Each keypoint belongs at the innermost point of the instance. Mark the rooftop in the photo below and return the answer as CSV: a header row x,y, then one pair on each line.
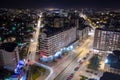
x,y
50,31
110,76
109,29
113,60
8,46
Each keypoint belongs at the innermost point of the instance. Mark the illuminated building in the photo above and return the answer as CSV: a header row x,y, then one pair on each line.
x,y
82,32
110,76
106,40
9,56
53,40
112,63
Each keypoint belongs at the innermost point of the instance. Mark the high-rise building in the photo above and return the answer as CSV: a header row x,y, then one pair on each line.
x,y
9,56
53,39
106,39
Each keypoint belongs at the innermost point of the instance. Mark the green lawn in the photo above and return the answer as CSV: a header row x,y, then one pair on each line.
x,y
35,72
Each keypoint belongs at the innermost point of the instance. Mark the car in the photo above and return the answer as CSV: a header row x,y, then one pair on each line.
x,y
84,58
70,76
95,73
89,71
87,54
80,61
90,51
76,68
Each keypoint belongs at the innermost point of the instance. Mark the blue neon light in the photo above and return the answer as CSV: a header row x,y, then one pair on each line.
x,y
106,61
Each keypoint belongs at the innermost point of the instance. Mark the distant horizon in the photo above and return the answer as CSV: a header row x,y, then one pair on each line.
x,y
60,4
58,8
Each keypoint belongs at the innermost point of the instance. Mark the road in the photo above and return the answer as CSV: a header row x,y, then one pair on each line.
x,y
33,48
82,69
33,44
80,52
88,20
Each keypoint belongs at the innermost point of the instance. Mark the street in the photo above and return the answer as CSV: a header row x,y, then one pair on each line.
x,y
83,50
34,43
33,47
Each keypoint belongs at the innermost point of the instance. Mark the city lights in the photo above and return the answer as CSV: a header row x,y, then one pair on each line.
x,y
59,44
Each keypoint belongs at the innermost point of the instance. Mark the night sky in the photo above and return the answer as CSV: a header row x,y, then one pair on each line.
x,y
60,3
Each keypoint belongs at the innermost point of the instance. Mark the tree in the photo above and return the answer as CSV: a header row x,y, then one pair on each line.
x,y
94,62
83,78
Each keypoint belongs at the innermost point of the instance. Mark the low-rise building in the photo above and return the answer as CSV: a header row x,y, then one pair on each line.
x,y
110,76
112,63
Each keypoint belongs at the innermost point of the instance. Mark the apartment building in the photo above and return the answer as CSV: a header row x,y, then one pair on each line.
x,y
53,39
113,63
106,39
9,56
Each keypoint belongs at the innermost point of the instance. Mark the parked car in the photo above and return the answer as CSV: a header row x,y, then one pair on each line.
x,y
70,76
84,58
81,61
87,54
89,71
95,73
76,68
